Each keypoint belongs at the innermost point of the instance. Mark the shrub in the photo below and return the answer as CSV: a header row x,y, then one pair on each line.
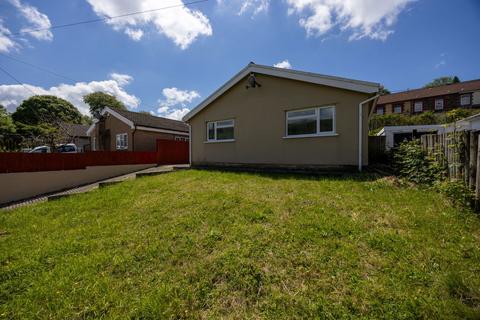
x,y
457,191
412,163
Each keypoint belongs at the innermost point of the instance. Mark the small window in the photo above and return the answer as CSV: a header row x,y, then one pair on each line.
x,y
418,106
397,108
122,143
380,111
465,99
220,130
309,122
439,104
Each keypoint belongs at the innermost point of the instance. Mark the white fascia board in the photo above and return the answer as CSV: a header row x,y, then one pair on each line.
x,y
337,82
92,127
181,133
118,116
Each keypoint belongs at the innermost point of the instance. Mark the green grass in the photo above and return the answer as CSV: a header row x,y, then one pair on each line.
x,y
199,244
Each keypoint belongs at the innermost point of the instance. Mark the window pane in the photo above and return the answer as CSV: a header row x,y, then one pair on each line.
x,y
292,114
225,123
465,100
380,111
418,106
326,119
211,131
397,109
225,133
302,126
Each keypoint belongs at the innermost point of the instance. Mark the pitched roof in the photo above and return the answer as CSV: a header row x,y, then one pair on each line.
x,y
147,120
466,86
343,83
76,130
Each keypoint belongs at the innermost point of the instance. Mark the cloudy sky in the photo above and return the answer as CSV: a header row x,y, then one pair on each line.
x,y
167,61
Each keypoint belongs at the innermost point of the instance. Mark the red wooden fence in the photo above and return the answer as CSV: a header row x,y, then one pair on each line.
x,y
172,152
168,152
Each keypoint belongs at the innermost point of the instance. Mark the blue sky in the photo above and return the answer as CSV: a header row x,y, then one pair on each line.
x,y
168,61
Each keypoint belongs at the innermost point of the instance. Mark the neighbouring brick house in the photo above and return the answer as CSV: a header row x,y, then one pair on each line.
x,y
77,134
438,99
133,131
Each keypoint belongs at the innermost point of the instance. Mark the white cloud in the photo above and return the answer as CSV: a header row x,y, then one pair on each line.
x,y
6,44
183,25
36,19
134,34
12,95
122,79
245,6
285,64
363,18
173,105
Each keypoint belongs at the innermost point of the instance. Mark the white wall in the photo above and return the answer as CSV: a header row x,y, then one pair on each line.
x,y
24,185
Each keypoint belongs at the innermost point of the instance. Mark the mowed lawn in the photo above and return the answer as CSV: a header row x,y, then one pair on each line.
x,y
202,244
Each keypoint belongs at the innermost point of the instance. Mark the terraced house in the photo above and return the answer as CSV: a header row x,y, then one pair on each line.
x,y
438,99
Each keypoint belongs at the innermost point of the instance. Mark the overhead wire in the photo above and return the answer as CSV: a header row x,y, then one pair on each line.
x,y
105,18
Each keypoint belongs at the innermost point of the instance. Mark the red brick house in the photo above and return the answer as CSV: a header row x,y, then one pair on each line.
x,y
133,131
438,99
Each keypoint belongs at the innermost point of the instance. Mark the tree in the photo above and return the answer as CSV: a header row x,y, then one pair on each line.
x,y
46,110
39,119
6,123
383,91
99,100
442,81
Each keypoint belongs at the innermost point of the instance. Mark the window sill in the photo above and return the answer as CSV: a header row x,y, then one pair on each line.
x,y
220,141
317,135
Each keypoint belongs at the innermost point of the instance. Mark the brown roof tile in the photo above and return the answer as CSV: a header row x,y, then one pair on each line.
x,y
147,120
466,86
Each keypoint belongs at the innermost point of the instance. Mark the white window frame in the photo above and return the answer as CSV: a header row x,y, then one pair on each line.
x,y
395,106
439,106
465,96
415,106
119,141
317,116
216,126
380,113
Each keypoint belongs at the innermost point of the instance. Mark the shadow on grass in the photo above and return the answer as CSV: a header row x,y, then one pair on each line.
x,y
282,174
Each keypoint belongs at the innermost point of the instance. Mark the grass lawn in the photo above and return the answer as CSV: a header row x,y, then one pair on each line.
x,y
200,244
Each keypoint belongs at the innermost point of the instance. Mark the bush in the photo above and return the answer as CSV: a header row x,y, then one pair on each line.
x,y
412,163
457,191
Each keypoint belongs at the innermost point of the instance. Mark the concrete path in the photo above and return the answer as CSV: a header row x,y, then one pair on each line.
x,y
99,184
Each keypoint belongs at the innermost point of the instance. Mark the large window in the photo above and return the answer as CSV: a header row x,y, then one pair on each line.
x,y
311,122
465,99
220,130
439,104
418,106
122,143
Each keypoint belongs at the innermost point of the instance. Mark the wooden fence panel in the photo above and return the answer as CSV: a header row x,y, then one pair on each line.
x,y
172,152
168,152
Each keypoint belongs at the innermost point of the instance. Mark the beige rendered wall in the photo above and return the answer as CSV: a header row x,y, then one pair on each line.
x,y
25,185
260,125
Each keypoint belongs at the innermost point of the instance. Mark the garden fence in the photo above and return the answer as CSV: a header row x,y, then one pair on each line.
x,y
459,152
